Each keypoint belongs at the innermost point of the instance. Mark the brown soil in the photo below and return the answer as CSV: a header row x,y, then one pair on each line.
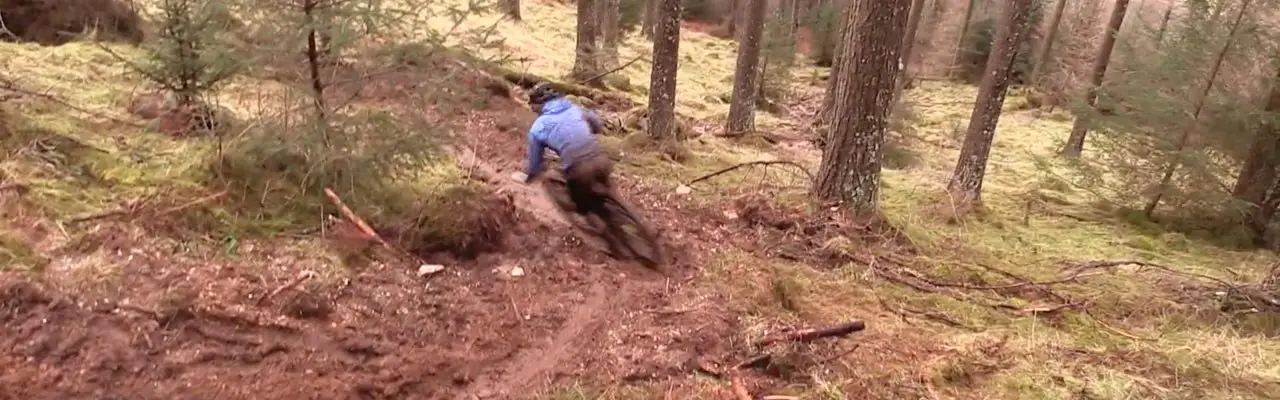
x,y
170,323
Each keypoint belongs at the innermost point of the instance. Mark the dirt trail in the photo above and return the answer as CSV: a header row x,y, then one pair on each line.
x,y
163,321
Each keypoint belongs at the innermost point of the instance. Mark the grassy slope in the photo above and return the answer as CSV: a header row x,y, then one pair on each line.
x,y
1041,358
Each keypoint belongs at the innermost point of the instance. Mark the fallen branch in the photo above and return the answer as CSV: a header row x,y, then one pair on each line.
x,y
809,335
14,186
192,203
527,80
748,164
302,277
606,73
355,219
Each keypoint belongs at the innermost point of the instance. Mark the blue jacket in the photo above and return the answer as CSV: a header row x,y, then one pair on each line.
x,y
562,126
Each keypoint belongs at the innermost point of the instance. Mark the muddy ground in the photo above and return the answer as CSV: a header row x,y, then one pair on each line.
x,y
191,326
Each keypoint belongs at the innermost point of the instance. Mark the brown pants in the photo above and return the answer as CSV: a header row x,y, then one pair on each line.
x,y
589,183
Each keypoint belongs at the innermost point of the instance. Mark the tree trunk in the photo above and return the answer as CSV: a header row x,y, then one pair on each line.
x,y
828,23
829,96
610,32
908,44
1075,143
662,81
731,20
1257,173
1164,25
1045,50
586,61
512,9
1185,137
850,168
646,24
747,74
964,32
966,183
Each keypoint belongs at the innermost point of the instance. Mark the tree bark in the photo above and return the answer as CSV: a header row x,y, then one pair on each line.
x,y
1045,49
662,81
829,96
731,20
1075,143
826,37
1185,137
586,61
964,32
908,44
850,168
610,32
646,24
512,9
1259,168
966,183
747,74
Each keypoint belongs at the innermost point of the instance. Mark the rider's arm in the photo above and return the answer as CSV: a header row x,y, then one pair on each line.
x,y
536,147
594,121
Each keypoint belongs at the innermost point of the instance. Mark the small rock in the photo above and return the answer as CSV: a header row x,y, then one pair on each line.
x,y
428,269
517,271
731,215
683,190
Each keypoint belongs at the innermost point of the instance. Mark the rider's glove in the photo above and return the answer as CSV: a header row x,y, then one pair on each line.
x,y
519,176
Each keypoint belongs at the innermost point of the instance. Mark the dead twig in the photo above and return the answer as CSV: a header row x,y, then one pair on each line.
x,y
748,164
192,203
606,73
355,219
809,335
302,277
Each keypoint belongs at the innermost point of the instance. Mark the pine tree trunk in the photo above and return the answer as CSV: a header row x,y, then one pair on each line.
x,y
731,20
971,168
1045,50
646,24
850,168
586,61
1185,137
1261,217
746,76
826,38
1075,143
512,9
908,45
1257,173
610,32
666,59
964,33
829,96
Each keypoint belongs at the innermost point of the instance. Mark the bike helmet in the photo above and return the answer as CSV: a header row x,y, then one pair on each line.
x,y
541,93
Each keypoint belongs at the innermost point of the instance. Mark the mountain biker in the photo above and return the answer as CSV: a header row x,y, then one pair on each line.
x,y
569,130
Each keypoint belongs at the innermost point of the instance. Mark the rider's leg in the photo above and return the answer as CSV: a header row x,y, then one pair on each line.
x,y
585,180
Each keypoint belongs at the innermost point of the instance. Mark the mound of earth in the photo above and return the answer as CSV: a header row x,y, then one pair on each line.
x,y
55,22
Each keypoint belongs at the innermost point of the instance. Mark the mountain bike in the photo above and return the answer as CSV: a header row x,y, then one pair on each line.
x,y
622,229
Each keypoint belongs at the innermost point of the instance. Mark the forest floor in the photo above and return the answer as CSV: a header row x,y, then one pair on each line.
x,y
106,291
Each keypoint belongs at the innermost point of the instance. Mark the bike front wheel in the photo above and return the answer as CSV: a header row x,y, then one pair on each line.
x,y
632,234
